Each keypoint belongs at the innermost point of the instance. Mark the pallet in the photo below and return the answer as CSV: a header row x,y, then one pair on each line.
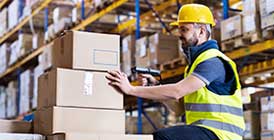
x,y
175,63
268,33
252,37
234,43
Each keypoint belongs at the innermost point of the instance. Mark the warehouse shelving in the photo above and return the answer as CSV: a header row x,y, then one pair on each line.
x,y
24,21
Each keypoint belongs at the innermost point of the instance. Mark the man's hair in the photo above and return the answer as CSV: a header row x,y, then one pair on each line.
x,y
207,27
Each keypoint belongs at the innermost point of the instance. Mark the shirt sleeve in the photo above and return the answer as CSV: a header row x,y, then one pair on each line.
x,y
210,70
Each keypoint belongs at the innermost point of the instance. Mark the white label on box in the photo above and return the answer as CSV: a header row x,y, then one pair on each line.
x,y
88,83
143,50
230,26
56,15
100,57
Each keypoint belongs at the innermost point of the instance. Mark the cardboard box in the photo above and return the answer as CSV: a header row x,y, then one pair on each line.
x,y
26,87
231,27
15,52
18,136
128,54
142,55
251,23
25,43
3,57
91,90
250,7
87,51
267,135
84,136
46,57
65,120
11,99
37,40
13,126
61,12
267,21
266,7
3,21
3,107
267,103
62,24
267,121
163,48
252,124
13,14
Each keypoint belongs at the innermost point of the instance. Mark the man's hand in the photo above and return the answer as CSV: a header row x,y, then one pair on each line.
x,y
119,81
146,79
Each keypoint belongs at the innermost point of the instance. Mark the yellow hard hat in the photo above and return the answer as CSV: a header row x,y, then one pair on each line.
x,y
194,13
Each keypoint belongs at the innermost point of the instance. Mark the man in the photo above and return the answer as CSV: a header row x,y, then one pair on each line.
x,y
211,87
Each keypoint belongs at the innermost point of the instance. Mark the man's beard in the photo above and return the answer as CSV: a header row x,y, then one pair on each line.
x,y
190,42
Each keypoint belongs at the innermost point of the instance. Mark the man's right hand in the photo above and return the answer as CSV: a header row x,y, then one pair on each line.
x,y
147,79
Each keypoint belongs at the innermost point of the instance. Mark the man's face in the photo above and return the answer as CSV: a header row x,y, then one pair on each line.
x,y
188,35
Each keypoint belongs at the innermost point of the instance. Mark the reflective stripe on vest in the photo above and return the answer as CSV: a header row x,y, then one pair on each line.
x,y
214,108
221,125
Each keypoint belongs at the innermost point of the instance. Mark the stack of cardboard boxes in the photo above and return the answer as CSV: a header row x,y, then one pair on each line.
x,y
3,57
251,20
3,96
11,99
267,13
267,115
156,49
231,28
13,13
74,97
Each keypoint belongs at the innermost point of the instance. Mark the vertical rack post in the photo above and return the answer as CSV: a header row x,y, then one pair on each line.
x,y
139,100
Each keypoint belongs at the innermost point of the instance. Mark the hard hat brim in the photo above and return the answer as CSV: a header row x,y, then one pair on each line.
x,y
174,23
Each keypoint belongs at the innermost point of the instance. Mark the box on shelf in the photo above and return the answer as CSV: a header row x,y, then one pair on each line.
x,y
14,51
61,12
65,120
14,126
25,43
11,99
267,103
231,27
91,90
3,99
26,87
251,23
128,54
85,136
87,51
37,71
37,40
46,57
266,7
267,135
4,55
13,14
250,7
267,121
20,136
62,24
252,124
267,21
142,54
49,34
163,48
3,21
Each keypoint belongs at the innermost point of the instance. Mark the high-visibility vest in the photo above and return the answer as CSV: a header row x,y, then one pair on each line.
x,y
222,114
